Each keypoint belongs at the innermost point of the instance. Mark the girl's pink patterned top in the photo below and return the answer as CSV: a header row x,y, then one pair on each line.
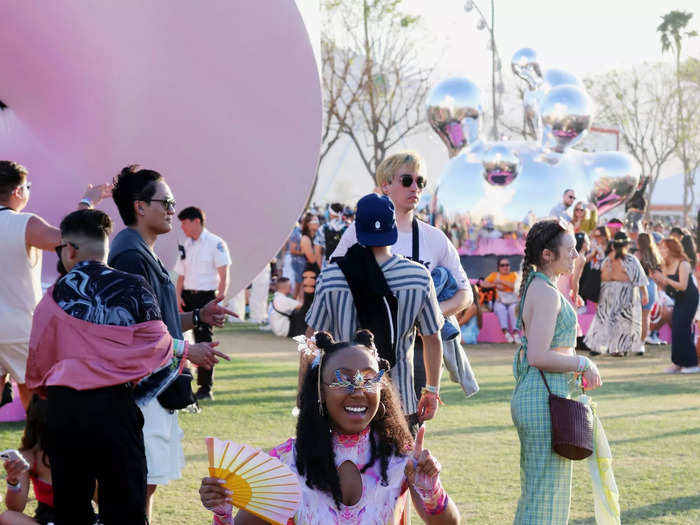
x,y
378,505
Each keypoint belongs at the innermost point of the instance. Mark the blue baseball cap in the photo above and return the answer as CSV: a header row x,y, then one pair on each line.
x,y
375,221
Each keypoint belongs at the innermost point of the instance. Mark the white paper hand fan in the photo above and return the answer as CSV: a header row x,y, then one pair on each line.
x,y
261,484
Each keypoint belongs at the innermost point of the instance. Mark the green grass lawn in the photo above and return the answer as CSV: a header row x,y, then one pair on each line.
x,y
652,421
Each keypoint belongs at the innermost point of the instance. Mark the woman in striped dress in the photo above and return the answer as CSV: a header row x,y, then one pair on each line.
x,y
617,325
549,327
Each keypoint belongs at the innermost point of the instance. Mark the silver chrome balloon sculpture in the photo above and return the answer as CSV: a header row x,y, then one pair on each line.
x,y
505,184
454,112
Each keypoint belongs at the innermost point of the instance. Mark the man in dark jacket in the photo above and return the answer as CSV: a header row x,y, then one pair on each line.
x,y
147,207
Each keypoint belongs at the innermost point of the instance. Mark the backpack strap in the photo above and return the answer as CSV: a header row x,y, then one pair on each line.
x,y
416,244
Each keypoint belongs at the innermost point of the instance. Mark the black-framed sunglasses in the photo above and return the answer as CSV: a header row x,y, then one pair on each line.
x,y
60,247
166,203
504,264
407,180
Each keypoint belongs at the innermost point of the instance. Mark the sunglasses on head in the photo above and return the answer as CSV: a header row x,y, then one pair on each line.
x,y
407,180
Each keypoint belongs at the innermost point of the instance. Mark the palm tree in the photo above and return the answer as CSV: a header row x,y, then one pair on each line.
x,y
672,35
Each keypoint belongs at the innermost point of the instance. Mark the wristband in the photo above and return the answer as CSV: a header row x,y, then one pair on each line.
x,y
425,392
179,347
14,487
583,364
432,494
87,202
433,389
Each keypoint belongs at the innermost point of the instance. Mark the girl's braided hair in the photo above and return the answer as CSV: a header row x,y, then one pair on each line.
x,y
544,235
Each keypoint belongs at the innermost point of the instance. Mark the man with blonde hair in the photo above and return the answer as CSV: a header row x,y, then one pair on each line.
x,y
401,177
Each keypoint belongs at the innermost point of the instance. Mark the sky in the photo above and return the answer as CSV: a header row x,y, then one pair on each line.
x,y
581,37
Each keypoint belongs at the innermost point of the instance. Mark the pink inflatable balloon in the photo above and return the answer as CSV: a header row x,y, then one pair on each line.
x,y
222,98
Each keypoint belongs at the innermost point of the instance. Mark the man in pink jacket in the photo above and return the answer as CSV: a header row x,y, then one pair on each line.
x,y
95,335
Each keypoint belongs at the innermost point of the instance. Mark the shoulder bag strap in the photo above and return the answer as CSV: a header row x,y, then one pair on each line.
x,y
545,381
288,316
416,248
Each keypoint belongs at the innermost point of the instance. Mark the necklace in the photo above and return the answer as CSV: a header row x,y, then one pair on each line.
x,y
355,448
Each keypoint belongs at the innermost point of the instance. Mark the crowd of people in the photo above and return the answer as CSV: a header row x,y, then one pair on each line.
x,y
382,302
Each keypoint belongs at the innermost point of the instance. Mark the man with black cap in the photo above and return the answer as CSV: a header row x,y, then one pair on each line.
x,y
372,288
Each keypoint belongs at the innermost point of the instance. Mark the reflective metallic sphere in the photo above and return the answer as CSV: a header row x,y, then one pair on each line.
x,y
567,114
465,196
559,77
454,112
501,164
614,176
526,66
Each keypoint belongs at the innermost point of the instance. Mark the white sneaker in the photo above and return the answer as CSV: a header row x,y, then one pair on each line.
x,y
517,339
640,350
652,339
508,337
690,370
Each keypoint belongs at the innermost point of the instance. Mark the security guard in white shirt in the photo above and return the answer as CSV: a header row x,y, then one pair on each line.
x,y
202,270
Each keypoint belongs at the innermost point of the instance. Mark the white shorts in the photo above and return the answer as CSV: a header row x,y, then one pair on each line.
x,y
162,438
13,360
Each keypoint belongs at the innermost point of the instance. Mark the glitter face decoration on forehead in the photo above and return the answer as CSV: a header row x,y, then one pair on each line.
x,y
368,383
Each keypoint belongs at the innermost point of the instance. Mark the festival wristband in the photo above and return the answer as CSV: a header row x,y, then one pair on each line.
x,y
222,519
432,493
433,389
425,392
179,347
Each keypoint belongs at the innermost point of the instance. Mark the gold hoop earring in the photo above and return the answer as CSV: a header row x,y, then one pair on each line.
x,y
381,404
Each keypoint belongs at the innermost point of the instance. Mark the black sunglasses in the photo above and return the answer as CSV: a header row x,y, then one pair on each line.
x,y
167,203
504,264
60,247
407,180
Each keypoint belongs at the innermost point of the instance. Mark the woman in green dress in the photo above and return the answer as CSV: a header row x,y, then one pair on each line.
x,y
549,327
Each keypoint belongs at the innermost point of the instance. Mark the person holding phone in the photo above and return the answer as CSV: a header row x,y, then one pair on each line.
x,y
29,466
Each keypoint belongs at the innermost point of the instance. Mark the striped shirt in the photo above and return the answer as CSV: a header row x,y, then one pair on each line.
x,y
333,310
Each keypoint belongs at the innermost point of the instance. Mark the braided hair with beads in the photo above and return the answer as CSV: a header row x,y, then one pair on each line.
x,y
544,235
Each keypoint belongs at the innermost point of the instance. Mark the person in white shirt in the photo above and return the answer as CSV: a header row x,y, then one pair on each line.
x,y
568,198
23,236
202,276
400,177
286,314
